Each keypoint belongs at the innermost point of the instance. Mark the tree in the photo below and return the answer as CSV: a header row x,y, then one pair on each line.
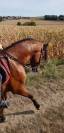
x,y
1,19
61,17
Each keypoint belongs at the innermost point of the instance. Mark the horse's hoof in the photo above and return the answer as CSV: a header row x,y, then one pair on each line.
x,y
37,106
2,119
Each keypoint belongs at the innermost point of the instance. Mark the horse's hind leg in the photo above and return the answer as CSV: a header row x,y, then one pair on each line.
x,y
18,85
24,92
36,104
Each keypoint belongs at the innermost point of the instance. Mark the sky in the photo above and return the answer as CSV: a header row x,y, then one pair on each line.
x,y
31,7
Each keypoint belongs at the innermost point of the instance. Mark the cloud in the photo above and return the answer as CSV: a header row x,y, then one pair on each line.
x,y
31,7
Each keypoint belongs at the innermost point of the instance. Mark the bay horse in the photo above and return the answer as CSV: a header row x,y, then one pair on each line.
x,y
13,77
26,50
13,74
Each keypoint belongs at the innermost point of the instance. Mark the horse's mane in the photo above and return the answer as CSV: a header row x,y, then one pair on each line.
x,y
17,42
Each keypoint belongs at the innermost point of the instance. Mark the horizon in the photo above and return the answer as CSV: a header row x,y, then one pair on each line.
x,y
27,8
33,16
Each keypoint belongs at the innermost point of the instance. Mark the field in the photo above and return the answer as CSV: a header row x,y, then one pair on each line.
x,y
47,85
45,31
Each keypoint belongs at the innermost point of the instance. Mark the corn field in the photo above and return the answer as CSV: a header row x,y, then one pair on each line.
x,y
45,31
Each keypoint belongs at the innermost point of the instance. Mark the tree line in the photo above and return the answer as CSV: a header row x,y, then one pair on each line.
x,y
46,17
53,17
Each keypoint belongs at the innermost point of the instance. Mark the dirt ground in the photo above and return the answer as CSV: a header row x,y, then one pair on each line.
x,y
22,117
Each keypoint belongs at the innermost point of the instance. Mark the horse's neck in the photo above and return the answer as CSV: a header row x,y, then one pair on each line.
x,y
10,50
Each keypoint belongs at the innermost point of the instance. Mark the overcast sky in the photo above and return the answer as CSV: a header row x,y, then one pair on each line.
x,y
31,7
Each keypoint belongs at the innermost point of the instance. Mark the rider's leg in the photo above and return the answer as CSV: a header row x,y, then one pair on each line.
x,y
3,102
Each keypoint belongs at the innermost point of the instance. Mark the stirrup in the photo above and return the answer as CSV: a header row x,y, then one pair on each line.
x,y
4,104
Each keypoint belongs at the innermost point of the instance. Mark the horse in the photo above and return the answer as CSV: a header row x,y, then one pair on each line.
x,y
26,51
13,77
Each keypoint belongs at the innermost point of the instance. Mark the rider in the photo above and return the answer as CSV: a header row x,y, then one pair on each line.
x,y
3,75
